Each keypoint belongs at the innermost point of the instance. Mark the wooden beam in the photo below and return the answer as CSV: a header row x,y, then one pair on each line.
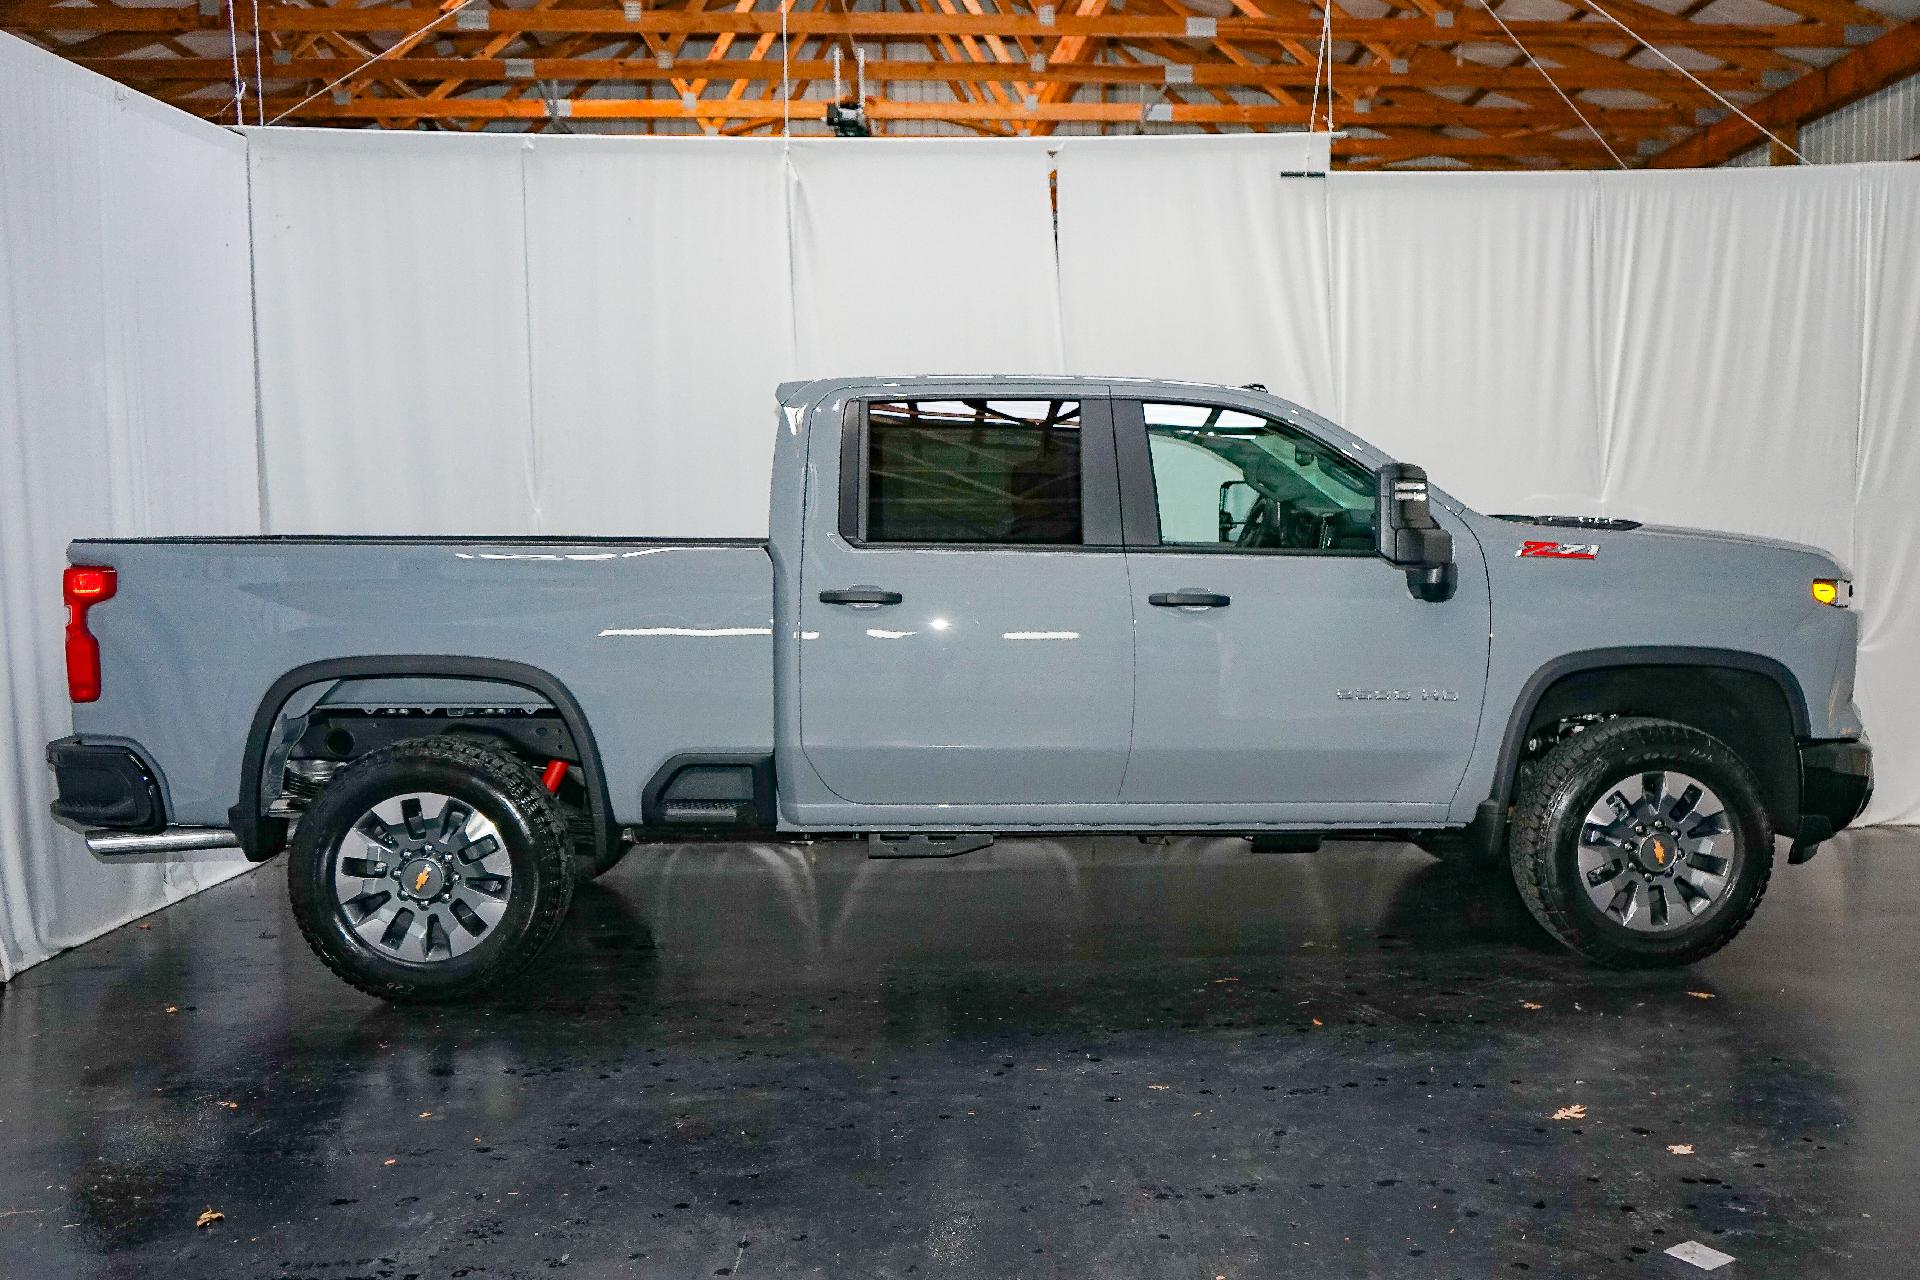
x,y
1469,26
1868,69
1357,81
1438,115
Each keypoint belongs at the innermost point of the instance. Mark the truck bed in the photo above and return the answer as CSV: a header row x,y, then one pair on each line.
x,y
665,645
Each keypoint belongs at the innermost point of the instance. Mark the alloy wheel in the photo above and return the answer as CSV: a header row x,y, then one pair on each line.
x,y
422,877
1657,851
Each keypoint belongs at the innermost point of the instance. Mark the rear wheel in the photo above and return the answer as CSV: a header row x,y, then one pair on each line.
x,y
1641,842
431,870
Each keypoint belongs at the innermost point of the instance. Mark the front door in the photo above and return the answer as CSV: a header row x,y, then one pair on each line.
x,y
966,634
1280,662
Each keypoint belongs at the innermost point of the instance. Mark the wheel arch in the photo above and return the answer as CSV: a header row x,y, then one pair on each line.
x,y
261,836
1751,702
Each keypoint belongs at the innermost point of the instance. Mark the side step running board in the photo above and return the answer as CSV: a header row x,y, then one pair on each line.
x,y
923,846
121,844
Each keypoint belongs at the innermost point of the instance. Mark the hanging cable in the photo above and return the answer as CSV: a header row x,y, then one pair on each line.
x,y
1544,75
1323,66
233,43
1719,97
406,42
259,80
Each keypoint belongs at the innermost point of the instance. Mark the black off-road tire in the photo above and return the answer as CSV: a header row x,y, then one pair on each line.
x,y
590,859
533,829
1552,799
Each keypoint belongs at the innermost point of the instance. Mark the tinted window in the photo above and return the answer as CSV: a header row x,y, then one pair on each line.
x,y
973,471
1228,479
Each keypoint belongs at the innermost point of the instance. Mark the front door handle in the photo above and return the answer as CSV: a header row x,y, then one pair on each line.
x,y
859,595
1189,598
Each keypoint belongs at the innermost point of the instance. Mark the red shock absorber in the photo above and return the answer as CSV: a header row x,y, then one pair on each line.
x,y
554,774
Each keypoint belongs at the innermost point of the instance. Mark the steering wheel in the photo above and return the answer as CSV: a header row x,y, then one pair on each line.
x,y
1253,530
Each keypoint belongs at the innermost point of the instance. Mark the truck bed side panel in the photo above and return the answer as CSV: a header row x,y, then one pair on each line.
x,y
667,646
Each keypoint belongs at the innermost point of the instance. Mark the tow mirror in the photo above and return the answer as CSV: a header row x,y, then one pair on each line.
x,y
1409,537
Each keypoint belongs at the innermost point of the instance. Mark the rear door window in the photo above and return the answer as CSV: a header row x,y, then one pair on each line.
x,y
984,471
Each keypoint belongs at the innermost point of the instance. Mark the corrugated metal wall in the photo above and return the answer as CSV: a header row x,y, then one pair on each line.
x,y
1885,126
1882,126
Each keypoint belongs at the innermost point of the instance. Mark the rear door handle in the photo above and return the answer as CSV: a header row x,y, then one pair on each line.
x,y
859,595
1189,599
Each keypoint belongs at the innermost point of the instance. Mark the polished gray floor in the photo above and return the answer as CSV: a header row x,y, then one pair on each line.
x,y
1064,1059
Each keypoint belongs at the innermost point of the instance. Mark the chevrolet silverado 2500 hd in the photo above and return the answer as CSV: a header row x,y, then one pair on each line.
x,y
985,605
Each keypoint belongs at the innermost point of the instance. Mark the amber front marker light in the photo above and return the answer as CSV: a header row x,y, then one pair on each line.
x,y
1837,592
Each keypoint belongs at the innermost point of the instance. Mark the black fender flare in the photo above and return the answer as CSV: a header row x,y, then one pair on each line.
x,y
1634,656
1487,830
260,836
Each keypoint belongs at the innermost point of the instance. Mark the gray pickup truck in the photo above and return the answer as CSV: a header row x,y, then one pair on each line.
x,y
986,606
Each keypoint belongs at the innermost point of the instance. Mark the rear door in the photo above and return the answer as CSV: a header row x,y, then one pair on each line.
x,y
1280,662
966,631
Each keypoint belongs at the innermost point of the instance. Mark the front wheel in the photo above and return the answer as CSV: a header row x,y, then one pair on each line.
x,y
1641,843
431,870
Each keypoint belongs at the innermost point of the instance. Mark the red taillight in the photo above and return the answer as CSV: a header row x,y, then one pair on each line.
x,y
84,586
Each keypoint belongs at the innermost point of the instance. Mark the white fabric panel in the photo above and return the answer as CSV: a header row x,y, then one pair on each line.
x,y
660,324
1200,258
126,408
923,256
1462,305
1886,546
391,288
1730,312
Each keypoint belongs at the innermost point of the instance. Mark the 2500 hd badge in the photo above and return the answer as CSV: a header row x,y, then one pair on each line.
x,y
1396,695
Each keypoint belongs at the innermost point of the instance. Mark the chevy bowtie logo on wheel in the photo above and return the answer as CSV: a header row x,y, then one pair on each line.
x,y
1559,550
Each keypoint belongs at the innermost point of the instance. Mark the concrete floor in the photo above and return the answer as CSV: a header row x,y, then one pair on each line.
x,y
1071,1059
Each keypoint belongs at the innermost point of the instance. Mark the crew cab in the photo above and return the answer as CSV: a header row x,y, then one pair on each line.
x,y
985,606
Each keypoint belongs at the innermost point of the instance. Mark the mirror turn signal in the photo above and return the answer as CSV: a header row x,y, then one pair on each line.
x,y
1837,592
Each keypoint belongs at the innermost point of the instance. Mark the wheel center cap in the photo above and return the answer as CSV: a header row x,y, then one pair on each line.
x,y
1658,853
422,878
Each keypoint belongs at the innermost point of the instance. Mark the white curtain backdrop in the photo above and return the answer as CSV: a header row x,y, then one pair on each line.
x,y
1886,495
660,322
1201,258
391,284
924,256
1466,341
126,408
1730,337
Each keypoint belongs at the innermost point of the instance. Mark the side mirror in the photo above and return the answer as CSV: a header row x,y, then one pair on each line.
x,y
1409,537
1232,513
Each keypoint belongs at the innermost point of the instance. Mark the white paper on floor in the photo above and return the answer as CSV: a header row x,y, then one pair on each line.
x,y
1700,1255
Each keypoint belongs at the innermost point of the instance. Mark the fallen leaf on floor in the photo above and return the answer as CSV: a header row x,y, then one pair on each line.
x,y
231,1106
143,926
1681,1148
208,1217
425,1114
173,1008
1218,981
1159,1086
1528,1004
390,1160
1578,1111
1701,995
1318,1023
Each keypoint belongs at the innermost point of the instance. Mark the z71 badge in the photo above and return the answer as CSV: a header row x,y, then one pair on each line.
x,y
1559,550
